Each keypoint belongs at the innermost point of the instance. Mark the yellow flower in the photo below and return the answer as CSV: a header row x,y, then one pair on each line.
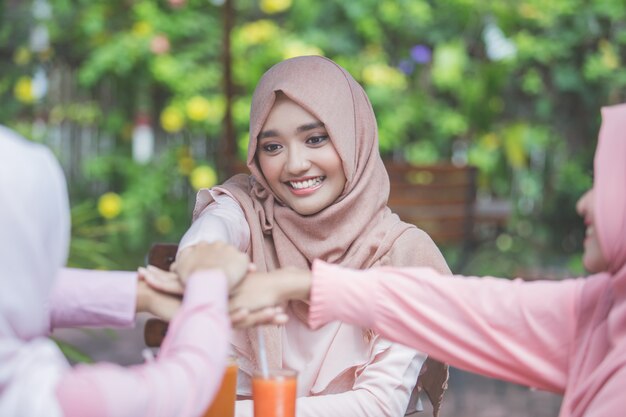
x,y
23,90
610,58
22,56
163,224
110,205
172,119
490,142
186,164
258,32
297,48
275,6
203,176
382,75
198,108
141,29
529,11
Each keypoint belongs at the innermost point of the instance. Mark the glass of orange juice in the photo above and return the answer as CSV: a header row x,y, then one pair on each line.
x,y
274,394
223,404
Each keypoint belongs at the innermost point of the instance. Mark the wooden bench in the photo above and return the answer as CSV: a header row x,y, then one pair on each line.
x,y
439,199
161,255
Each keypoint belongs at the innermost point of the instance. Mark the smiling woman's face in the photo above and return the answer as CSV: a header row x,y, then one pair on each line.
x,y
593,259
298,159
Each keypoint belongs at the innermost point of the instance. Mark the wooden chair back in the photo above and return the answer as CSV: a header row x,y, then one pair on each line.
x,y
438,199
161,255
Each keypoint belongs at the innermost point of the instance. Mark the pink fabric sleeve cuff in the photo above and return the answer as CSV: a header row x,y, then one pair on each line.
x,y
93,298
341,294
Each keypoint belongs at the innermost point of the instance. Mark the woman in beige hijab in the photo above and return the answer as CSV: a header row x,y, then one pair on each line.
x,y
319,190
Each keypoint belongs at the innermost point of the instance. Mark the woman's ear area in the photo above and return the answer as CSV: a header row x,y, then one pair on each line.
x,y
255,131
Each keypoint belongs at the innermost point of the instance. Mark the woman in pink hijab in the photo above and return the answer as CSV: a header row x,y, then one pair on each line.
x,y
567,337
319,190
35,378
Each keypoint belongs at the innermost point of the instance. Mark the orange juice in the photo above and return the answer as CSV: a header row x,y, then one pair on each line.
x,y
223,404
274,395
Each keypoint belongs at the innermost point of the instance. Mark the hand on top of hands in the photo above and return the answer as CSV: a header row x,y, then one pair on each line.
x,y
217,255
159,292
255,299
251,302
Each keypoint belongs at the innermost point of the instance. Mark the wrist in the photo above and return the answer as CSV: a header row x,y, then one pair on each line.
x,y
298,286
142,301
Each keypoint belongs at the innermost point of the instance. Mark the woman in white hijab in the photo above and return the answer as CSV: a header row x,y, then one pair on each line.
x,y
35,379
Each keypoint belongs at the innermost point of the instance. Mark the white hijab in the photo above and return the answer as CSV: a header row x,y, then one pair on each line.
x,y
34,239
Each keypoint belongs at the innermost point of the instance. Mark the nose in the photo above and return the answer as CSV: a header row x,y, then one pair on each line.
x,y
582,205
298,161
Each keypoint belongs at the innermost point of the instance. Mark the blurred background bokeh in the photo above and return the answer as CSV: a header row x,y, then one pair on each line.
x,y
145,101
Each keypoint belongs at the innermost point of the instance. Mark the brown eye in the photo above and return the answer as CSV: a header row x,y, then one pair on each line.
x,y
317,140
270,147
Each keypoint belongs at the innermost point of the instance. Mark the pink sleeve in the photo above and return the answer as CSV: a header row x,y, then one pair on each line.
x,y
180,382
222,220
93,298
513,330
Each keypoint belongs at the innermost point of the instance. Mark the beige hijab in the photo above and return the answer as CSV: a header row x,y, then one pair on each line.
x,y
358,230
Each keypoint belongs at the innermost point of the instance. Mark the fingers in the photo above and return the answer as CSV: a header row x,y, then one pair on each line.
x,y
216,255
160,280
270,315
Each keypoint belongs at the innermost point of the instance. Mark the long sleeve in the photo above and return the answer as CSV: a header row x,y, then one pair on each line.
x,y
222,220
180,382
93,298
382,388
517,331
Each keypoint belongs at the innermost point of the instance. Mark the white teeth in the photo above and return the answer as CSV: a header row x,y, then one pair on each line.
x,y
306,184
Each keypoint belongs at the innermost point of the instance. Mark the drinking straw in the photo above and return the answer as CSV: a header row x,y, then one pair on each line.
x,y
262,352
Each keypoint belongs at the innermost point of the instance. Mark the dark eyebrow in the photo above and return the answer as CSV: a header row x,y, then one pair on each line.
x,y
309,126
267,134
300,129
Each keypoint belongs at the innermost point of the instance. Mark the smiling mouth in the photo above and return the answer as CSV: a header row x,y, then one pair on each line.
x,y
305,184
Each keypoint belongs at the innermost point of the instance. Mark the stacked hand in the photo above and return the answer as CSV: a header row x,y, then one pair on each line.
x,y
160,291
250,301
255,298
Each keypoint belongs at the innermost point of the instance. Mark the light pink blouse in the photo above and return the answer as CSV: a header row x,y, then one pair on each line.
x,y
513,330
89,298
180,382
383,377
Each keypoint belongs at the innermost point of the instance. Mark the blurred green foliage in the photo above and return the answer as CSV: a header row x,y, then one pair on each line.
x,y
513,87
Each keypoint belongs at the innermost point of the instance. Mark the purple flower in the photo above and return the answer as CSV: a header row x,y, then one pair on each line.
x,y
406,66
421,54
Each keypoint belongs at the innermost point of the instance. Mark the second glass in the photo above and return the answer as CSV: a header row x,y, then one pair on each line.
x,y
223,404
274,395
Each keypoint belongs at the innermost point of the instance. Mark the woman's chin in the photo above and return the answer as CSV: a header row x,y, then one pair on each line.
x,y
592,264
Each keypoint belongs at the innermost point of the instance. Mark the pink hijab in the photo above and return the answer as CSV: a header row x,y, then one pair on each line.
x,y
597,377
34,239
358,230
